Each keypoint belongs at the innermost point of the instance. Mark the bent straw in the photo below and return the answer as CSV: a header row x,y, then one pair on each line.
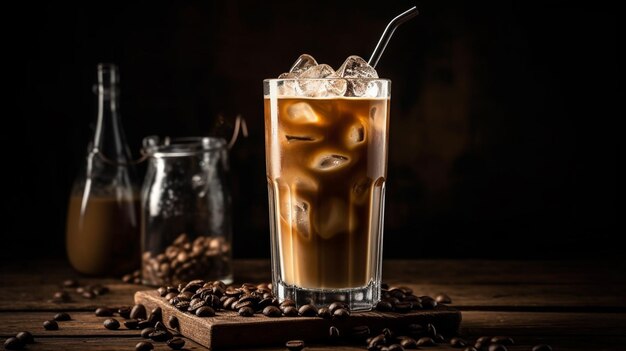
x,y
391,27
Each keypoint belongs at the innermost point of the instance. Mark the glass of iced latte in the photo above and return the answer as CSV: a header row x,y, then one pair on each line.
x,y
326,137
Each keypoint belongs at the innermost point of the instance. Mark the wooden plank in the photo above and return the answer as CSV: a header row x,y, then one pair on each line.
x,y
228,329
101,344
543,323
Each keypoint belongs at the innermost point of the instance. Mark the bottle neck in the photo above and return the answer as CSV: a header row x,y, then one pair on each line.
x,y
109,135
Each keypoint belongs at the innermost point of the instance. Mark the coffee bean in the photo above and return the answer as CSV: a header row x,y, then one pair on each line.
x,y
145,324
542,347
156,314
458,342
50,325
173,322
378,340
176,343
88,295
310,310
416,330
182,305
470,348
384,306
335,305
62,317
131,323
443,298
292,311
138,312
228,303
111,324
295,345
100,290
497,347
483,340
287,302
408,343
145,332
25,337
127,278
395,347
403,307
389,334
272,311
205,311
341,313
502,340
61,296
170,295
160,335
397,293
439,338
333,333
124,312
70,283
13,344
144,346
103,312
425,341
428,303
246,311
239,304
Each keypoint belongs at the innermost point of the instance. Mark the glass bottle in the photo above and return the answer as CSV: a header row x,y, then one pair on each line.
x,y
103,224
186,204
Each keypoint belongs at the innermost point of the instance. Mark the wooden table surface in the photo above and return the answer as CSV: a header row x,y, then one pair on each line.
x,y
571,305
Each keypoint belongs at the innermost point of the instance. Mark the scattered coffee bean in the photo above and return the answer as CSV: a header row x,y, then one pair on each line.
x,y
310,310
333,333
100,290
88,294
206,311
384,306
127,278
70,283
25,337
395,347
50,325
291,311
295,345
138,312
341,313
61,296
156,314
360,332
160,335
376,341
176,343
439,338
103,312
458,342
62,317
542,347
497,347
335,305
124,312
408,343
425,341
13,344
111,324
431,330
145,332
443,298
144,346
428,302
173,322
287,302
502,340
143,324
246,311
160,326
162,291
416,330
170,295
272,311
403,307
389,334
131,323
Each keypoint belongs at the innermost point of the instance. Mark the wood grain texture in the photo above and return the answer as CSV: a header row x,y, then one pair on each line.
x,y
228,329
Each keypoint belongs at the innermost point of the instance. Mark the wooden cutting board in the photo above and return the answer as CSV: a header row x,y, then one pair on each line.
x,y
228,329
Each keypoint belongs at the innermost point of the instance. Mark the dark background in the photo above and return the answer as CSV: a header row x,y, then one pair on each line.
x,y
504,118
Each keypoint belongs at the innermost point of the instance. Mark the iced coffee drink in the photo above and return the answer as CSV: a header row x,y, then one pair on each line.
x,y
326,153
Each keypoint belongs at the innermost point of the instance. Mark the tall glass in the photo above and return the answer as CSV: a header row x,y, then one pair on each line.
x,y
326,160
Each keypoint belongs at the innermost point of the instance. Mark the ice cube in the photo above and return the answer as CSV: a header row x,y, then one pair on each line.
x,y
303,63
356,67
287,87
301,112
356,134
302,219
330,162
324,87
360,190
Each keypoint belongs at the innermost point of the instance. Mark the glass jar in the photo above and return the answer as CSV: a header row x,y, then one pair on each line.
x,y
186,206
